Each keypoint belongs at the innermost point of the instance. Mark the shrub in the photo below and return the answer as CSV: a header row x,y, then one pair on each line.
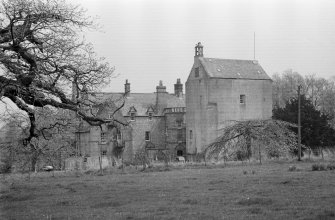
x,y
322,167
5,164
242,155
273,152
318,167
331,166
292,168
315,167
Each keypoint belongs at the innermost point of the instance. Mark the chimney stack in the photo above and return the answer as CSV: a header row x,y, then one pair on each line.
x,y
127,87
160,88
178,88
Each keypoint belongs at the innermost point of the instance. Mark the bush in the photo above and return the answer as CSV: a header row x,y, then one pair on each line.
x,y
331,166
292,168
318,167
6,164
242,155
315,167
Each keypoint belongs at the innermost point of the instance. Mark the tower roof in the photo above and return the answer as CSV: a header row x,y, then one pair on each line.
x,y
233,69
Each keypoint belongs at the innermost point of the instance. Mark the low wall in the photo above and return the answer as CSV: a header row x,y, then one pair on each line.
x,y
88,163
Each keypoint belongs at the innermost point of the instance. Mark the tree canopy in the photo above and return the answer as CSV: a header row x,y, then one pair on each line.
x,y
318,90
315,128
236,140
42,55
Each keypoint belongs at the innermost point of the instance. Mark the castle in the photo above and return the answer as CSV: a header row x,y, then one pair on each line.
x,y
218,92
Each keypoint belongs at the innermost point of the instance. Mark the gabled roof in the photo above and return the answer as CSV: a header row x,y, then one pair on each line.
x,y
108,108
143,101
132,109
233,69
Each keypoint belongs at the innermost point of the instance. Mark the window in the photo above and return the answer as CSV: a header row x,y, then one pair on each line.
x,y
196,72
132,116
150,115
191,134
242,99
103,137
147,135
104,152
180,135
179,123
118,135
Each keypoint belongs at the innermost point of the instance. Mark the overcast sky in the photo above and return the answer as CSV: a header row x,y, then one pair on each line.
x,y
152,40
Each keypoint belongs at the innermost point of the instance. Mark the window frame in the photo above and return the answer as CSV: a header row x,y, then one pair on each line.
x,y
103,138
242,99
147,136
132,116
196,72
150,115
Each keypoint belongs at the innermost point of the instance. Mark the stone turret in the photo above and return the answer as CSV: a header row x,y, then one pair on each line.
x,y
199,50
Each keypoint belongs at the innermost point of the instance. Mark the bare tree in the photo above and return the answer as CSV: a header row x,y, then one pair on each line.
x,y
42,55
54,143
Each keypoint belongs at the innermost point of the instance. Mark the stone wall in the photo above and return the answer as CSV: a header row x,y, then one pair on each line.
x,y
176,132
89,163
213,103
156,127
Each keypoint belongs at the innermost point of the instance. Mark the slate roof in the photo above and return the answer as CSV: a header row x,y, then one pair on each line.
x,y
105,109
143,101
233,69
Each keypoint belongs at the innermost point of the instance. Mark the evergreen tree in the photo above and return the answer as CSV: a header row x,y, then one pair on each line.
x,y
316,131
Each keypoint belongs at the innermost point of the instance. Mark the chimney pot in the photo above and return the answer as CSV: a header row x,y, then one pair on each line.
x,y
178,88
127,87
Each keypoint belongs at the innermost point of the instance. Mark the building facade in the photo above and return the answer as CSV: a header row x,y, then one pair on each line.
x,y
156,123
220,92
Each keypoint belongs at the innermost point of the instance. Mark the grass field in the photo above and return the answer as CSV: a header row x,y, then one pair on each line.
x,y
248,191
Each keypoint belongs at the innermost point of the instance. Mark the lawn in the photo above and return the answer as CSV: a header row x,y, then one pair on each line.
x,y
236,191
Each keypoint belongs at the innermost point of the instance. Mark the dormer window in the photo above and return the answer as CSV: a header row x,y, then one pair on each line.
x,y
150,115
150,112
196,72
132,113
132,116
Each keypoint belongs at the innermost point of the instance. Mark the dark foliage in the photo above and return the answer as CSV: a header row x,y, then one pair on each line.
x,y
315,128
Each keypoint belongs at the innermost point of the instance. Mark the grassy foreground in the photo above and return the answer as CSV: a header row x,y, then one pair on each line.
x,y
237,191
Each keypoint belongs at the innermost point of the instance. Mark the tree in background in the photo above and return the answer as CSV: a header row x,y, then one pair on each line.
x,y
43,54
55,141
320,91
316,131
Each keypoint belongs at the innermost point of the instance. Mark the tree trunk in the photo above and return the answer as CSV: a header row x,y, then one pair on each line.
x,y
260,154
100,164
34,162
248,143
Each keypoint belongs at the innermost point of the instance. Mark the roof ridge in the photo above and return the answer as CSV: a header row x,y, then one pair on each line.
x,y
227,59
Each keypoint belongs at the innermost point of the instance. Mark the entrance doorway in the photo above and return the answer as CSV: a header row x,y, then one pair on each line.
x,y
180,153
